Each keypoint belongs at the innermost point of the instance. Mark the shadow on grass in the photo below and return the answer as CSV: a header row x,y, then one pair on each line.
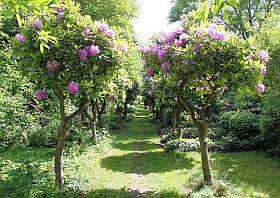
x,y
249,169
137,146
148,162
123,193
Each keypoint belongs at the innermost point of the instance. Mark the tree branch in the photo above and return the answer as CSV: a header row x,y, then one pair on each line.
x,y
79,110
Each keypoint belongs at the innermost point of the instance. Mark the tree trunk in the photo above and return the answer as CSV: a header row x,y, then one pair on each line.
x,y
162,116
178,123
173,122
203,130
59,152
62,133
125,110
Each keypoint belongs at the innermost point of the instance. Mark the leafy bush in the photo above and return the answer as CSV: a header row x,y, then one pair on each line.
x,y
182,145
232,144
270,123
240,124
168,137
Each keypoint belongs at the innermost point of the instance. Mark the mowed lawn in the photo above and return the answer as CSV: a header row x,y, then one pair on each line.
x,y
133,166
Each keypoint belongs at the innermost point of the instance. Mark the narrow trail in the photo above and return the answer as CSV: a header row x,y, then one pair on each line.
x,y
137,167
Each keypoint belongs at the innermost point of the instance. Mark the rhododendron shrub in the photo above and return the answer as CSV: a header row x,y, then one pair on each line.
x,y
202,63
68,55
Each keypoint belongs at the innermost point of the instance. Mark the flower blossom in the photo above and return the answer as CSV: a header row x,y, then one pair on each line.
x,y
52,66
183,37
110,33
178,43
264,55
73,87
20,38
37,24
83,54
149,72
260,88
92,50
264,70
86,32
161,54
41,94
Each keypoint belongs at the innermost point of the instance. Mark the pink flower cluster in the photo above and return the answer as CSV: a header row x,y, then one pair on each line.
x,y
60,12
89,51
41,94
260,88
103,27
149,73
73,88
20,38
213,33
37,24
86,32
52,65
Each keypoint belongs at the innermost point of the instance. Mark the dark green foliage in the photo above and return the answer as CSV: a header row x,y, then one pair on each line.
x,y
270,122
181,7
181,145
167,137
240,124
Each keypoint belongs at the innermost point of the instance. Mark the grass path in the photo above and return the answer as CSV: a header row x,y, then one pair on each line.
x,y
137,167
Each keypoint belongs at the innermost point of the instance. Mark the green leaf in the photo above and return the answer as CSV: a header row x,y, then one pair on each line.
x,y
42,48
225,15
233,3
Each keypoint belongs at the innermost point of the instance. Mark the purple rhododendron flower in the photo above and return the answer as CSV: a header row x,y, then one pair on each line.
x,y
211,31
260,88
179,30
52,66
198,46
86,32
60,12
170,36
219,36
110,33
178,43
145,49
20,38
73,87
41,94
92,50
264,55
161,54
250,56
199,32
149,73
103,27
83,54
161,38
264,70
37,24
164,67
57,8
60,15
183,37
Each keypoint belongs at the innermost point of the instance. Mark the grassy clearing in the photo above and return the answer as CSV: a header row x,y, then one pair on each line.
x,y
134,166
